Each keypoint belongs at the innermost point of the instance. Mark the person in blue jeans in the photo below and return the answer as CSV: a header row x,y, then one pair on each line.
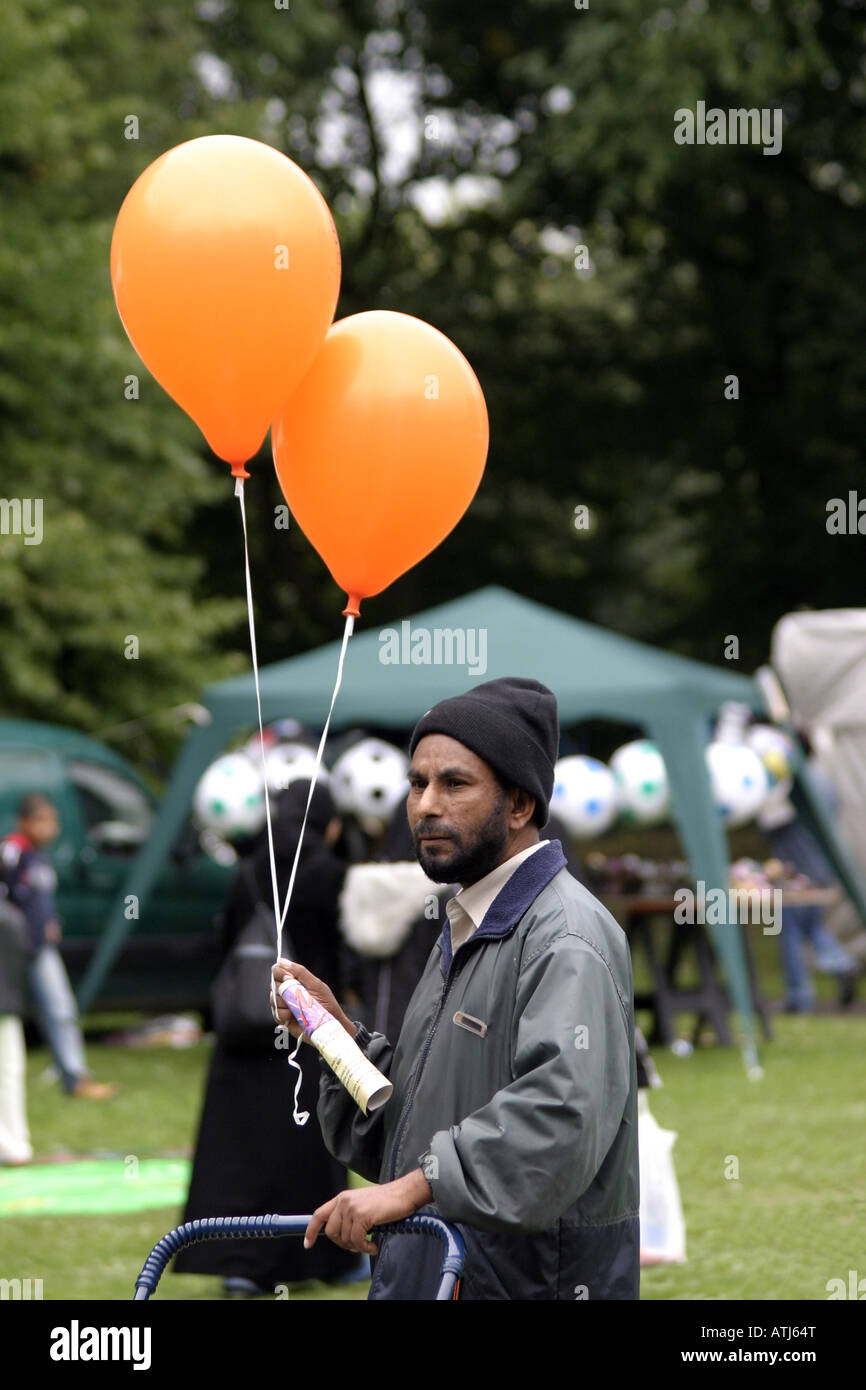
x,y
31,884
792,843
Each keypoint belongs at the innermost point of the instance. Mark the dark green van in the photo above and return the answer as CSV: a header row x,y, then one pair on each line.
x,y
106,812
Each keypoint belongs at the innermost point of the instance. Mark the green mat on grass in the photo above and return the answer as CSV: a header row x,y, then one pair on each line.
x,y
94,1186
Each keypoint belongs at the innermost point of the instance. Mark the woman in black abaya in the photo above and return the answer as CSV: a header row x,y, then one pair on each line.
x,y
251,1158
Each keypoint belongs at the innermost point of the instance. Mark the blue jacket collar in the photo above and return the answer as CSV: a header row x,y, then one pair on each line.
x,y
517,896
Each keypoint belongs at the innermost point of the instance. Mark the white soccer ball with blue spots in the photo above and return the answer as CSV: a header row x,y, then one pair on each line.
x,y
584,796
739,781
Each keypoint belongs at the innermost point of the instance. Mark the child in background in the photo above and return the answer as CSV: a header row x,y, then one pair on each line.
x,y
31,884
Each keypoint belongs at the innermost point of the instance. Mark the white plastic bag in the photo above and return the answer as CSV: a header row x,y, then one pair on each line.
x,y
662,1228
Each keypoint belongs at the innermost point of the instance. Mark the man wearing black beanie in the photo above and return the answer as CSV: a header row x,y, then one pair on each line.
x,y
514,1113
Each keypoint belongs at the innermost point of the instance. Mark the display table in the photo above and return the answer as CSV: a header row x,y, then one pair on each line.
x,y
666,944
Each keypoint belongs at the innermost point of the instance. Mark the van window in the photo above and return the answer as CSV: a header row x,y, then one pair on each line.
x,y
25,771
114,810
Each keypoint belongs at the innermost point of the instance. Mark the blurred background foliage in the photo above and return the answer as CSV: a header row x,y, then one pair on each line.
x,y
466,152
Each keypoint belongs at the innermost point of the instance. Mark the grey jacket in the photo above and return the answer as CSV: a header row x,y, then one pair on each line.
x,y
515,1090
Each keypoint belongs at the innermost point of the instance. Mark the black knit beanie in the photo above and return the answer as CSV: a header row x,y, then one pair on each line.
x,y
512,724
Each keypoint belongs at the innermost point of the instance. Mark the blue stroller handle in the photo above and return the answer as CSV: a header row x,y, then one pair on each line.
x,y
245,1227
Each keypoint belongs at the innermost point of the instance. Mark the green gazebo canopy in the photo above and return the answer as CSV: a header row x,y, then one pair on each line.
x,y
593,672
392,675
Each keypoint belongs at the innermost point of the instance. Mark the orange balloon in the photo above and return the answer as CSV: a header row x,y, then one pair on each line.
x,y
225,265
381,448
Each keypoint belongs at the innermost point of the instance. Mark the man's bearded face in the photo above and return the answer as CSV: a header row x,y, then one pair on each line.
x,y
458,812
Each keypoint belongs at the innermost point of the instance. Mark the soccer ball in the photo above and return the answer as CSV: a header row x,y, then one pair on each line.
x,y
289,762
230,798
642,782
584,796
739,781
777,752
369,780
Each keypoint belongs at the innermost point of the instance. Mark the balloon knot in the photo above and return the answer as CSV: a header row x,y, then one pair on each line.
x,y
238,471
353,607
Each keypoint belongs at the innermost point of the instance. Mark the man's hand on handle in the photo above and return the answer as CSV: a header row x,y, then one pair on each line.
x,y
349,1216
319,990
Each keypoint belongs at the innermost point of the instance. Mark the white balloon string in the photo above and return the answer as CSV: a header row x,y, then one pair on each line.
x,y
350,623
300,1117
239,494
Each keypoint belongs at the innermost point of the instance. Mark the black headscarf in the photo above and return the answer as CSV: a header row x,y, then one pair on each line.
x,y
319,875
288,808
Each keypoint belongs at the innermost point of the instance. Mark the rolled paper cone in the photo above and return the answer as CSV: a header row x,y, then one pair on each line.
x,y
366,1085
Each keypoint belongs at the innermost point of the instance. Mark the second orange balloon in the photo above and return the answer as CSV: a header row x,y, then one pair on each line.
x,y
381,448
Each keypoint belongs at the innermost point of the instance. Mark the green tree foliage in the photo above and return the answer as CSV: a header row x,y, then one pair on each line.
x,y
119,477
468,153
606,383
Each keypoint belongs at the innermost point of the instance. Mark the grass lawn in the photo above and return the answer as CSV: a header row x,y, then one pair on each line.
x,y
794,1218
154,1114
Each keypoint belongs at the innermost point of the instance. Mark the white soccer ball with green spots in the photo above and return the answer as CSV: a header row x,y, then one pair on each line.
x,y
642,783
230,798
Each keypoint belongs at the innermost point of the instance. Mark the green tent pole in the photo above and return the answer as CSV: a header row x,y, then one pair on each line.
x,y
202,744
681,739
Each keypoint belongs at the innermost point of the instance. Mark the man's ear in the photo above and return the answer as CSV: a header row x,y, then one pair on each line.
x,y
522,808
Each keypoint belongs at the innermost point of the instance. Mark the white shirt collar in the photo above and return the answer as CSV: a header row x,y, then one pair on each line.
x,y
468,908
